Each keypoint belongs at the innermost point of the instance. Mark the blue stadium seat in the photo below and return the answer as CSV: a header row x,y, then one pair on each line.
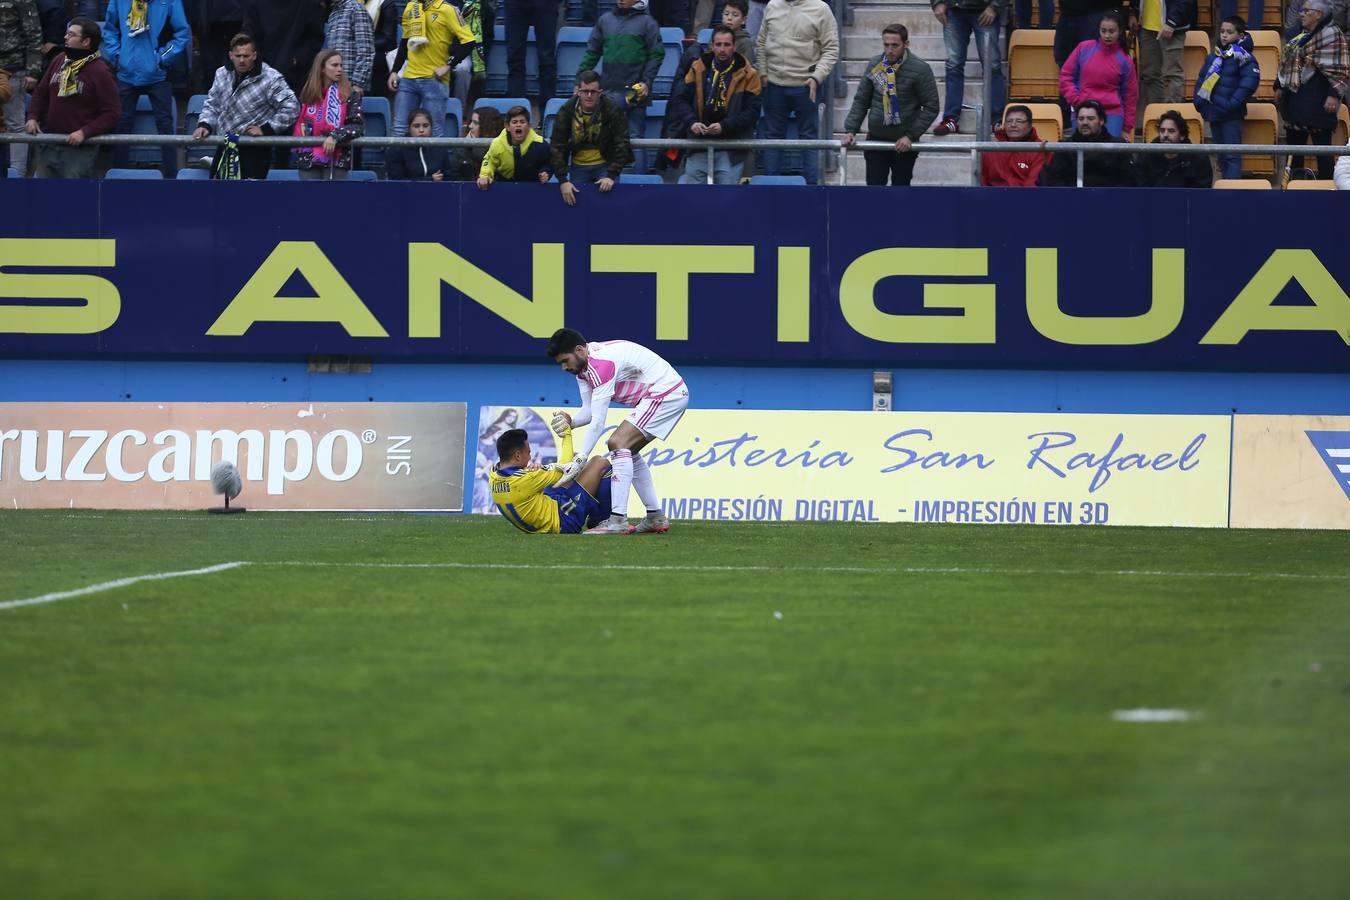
x,y
377,115
571,48
13,172
633,178
673,41
777,179
364,175
705,37
144,123
283,175
454,117
502,104
572,11
496,61
550,114
194,111
135,175
194,175
793,164
656,119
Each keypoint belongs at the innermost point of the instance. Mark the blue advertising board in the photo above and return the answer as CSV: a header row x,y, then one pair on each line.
x,y
781,276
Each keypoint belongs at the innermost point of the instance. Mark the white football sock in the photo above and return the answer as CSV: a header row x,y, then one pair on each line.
x,y
622,463
643,484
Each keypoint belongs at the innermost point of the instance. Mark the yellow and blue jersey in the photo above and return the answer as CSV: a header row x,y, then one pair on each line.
x,y
520,498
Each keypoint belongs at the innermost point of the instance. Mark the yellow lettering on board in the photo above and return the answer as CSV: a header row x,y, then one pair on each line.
x,y
976,325
102,302
1254,309
673,264
1162,318
430,265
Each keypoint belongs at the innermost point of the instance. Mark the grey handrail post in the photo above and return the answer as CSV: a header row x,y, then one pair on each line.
x,y
843,165
1078,155
712,164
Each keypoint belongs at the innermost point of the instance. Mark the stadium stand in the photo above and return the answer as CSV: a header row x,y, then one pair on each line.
x,y
1262,126
672,39
1309,184
376,112
550,115
1342,133
1154,111
496,62
1266,49
196,155
1243,184
1031,64
1047,119
571,48
144,123
135,174
1193,55
454,117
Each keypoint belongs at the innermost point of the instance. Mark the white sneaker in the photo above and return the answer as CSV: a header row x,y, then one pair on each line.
x,y
612,525
655,523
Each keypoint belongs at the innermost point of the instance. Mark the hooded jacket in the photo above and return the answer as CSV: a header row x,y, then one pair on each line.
x,y
506,161
141,59
1239,76
1156,170
1101,72
688,101
628,42
1013,169
798,39
917,90
612,144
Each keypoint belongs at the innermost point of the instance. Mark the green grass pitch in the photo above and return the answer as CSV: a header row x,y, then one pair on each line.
x,y
738,711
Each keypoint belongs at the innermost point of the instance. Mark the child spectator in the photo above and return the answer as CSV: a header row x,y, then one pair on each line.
x,y
1226,82
418,163
467,162
517,154
628,42
1101,70
734,15
330,109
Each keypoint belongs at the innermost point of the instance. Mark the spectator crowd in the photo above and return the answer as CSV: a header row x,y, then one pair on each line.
x,y
79,68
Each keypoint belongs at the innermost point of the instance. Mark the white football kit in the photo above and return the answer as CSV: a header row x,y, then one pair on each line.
x,y
629,374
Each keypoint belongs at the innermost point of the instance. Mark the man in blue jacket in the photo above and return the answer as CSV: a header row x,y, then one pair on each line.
x,y
132,45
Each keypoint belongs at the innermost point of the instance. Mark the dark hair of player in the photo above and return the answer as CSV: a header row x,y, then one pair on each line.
x,y
511,441
564,340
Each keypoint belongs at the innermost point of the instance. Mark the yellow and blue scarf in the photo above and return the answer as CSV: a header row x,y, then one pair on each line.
x,y
883,75
138,19
1210,78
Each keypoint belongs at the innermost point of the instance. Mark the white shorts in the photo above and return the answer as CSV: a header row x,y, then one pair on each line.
x,y
658,416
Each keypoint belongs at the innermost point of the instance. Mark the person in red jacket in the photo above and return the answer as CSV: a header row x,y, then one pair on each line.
x,y
77,97
1014,169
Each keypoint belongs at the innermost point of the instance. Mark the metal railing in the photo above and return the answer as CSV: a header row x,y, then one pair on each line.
x,y
974,148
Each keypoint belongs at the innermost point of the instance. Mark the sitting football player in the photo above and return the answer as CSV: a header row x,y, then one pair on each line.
x,y
557,498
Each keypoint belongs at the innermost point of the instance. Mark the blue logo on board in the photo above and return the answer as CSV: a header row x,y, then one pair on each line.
x,y
1334,446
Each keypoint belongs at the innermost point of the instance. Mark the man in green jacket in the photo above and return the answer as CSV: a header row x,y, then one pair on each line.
x,y
590,139
628,41
899,97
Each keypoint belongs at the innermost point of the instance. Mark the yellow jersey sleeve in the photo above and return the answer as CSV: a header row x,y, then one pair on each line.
x,y
520,498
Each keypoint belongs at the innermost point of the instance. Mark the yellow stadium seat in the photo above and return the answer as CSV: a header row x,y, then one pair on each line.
x,y
1244,8
1194,121
1033,74
1204,15
1342,133
1046,118
1266,49
1193,58
1310,185
1245,184
1262,126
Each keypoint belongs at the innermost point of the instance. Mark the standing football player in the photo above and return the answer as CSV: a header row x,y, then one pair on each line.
x,y
630,375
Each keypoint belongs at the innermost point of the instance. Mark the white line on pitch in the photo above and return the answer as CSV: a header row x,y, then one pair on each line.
x,y
1154,715
119,583
862,570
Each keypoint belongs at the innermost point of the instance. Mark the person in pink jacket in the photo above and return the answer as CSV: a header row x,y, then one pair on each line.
x,y
1101,70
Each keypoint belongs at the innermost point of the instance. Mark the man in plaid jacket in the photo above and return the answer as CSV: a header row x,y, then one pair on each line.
x,y
350,32
247,97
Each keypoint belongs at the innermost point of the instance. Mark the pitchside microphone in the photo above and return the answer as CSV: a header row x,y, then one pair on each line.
x,y
226,482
